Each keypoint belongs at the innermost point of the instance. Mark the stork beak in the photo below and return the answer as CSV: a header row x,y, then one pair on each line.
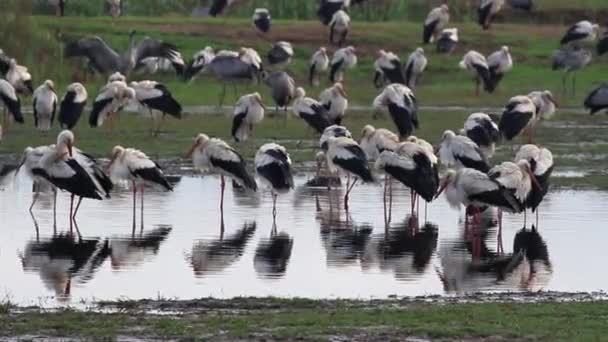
x,y
534,180
552,99
70,148
436,149
343,92
20,165
441,189
262,104
114,156
191,150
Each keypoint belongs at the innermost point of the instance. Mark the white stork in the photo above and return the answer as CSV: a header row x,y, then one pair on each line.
x,y
346,155
112,99
200,59
335,102
261,20
339,26
519,116
134,166
435,21
377,140
333,131
155,96
482,130
416,64
541,165
476,64
248,112
115,8
545,104
117,76
581,34
597,100
280,53
319,63
327,9
447,41
311,111
72,105
44,105
388,69
344,58
11,103
19,77
30,160
460,151
499,62
251,57
402,106
216,156
487,10
273,167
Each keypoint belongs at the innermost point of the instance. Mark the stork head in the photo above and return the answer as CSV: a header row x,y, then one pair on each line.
x,y
66,139
448,178
448,135
26,153
420,51
526,168
50,84
548,95
412,139
320,158
300,93
117,76
596,29
258,99
323,50
12,62
117,152
505,49
200,140
445,8
351,49
132,33
381,53
339,89
367,131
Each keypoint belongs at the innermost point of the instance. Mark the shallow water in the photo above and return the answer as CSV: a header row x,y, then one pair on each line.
x,y
312,252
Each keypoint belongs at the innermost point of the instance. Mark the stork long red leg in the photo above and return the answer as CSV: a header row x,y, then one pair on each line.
x,y
222,187
142,207
348,190
274,206
77,207
134,204
71,211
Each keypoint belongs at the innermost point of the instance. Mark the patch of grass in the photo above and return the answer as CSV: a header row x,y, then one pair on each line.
x,y
543,321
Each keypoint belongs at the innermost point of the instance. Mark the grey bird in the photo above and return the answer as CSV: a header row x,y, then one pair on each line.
x,y
282,88
597,100
570,60
231,69
106,60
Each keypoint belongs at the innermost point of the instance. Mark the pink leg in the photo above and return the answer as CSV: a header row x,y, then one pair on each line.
x,y
390,199
71,211
134,204
348,190
222,187
274,206
142,206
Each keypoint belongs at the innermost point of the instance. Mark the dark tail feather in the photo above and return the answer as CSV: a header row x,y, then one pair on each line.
x,y
334,70
486,78
311,73
15,108
495,78
602,46
428,32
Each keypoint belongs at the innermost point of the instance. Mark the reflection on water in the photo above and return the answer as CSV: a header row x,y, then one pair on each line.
x,y
314,249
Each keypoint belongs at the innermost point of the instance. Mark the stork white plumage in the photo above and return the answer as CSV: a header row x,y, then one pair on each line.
x,y
335,101
582,34
134,166
388,69
199,60
374,141
280,53
311,111
499,62
476,64
114,8
112,98
261,20
416,64
597,100
30,160
333,131
19,77
11,104
518,117
319,63
459,151
487,10
327,9
545,104
44,105
248,112
402,106
273,167
541,165
435,21
339,26
216,156
251,57
482,130
447,41
72,105
155,96
117,76
345,154
344,58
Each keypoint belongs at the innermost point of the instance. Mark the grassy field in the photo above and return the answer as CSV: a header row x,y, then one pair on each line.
x,y
321,320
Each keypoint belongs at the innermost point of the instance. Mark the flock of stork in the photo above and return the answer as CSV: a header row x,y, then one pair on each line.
x,y
469,179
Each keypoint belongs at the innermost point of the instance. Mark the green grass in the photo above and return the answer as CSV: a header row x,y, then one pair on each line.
x,y
290,319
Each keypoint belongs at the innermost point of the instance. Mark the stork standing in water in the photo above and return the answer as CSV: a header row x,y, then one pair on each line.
x,y
499,62
45,106
248,112
342,59
518,117
333,131
460,151
402,107
335,102
482,130
19,77
311,111
447,41
487,10
262,20
273,166
597,100
319,63
435,21
134,166
282,89
545,103
476,64
388,69
339,26
216,156
111,99
72,105
280,53
571,60
156,97
541,165
416,64
346,155
582,34
11,103
30,160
